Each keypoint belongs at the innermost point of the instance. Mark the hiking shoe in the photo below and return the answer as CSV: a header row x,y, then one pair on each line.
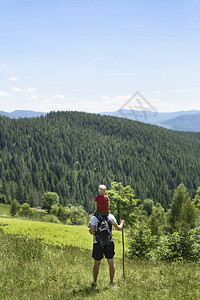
x,y
113,283
93,284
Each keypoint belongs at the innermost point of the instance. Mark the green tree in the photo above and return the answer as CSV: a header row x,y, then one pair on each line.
x,y
174,213
14,207
188,215
141,240
2,195
148,206
157,219
123,198
49,199
197,199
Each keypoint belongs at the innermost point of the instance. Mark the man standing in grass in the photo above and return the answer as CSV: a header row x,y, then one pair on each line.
x,y
100,249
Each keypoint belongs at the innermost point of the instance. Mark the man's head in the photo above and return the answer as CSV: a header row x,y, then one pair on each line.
x,y
102,189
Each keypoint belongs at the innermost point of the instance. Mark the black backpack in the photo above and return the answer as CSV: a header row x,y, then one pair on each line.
x,y
104,230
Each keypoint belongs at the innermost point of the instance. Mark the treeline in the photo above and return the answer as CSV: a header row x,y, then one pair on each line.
x,y
71,153
51,211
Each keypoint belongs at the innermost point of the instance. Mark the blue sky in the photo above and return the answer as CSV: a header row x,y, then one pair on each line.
x,y
94,55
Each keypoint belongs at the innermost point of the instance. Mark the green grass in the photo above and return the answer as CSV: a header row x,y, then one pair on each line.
x,y
32,270
41,260
4,209
56,234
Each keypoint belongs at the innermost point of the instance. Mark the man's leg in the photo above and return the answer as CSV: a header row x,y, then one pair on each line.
x,y
96,270
111,269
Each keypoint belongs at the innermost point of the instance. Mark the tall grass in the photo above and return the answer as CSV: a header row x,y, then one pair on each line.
x,y
32,270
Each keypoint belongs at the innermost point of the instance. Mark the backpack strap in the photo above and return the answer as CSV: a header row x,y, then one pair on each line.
x,y
99,213
99,217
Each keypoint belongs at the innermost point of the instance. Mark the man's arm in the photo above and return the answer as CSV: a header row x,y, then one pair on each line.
x,y
119,227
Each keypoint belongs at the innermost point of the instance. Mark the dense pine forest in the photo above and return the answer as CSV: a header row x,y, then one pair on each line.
x,y
71,153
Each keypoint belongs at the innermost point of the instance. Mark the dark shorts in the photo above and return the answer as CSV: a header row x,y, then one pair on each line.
x,y
99,252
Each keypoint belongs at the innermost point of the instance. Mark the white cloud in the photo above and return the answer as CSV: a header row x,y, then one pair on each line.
x,y
14,78
30,90
181,91
159,104
47,101
16,89
178,91
49,104
33,98
4,94
116,99
59,96
171,106
26,90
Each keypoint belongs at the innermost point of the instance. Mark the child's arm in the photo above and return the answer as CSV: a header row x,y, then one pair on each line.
x,y
108,203
95,205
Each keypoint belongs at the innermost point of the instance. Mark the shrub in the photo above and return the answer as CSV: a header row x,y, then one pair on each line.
x,y
141,241
182,245
38,214
62,214
54,209
78,215
50,218
25,210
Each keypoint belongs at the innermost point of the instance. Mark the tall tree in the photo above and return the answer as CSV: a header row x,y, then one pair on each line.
x,y
14,207
123,198
174,214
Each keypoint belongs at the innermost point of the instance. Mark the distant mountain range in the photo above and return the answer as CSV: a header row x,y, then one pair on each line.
x,y
22,114
179,120
184,123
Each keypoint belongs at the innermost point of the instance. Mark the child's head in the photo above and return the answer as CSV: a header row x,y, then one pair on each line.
x,y
102,189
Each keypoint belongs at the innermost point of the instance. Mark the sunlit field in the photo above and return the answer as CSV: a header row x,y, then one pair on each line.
x,y
53,261
55,234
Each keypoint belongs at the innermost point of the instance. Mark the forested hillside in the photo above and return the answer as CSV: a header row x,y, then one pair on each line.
x,y
71,153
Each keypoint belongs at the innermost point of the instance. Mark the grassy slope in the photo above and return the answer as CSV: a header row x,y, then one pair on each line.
x,y
31,270
55,234
44,266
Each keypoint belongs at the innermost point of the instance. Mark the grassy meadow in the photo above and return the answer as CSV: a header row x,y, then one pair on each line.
x,y
55,234
4,210
41,260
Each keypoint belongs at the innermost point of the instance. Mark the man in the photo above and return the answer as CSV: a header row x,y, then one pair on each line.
x,y
108,250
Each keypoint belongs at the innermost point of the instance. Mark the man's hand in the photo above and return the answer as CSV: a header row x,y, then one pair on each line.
x,y
92,229
122,223
119,227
